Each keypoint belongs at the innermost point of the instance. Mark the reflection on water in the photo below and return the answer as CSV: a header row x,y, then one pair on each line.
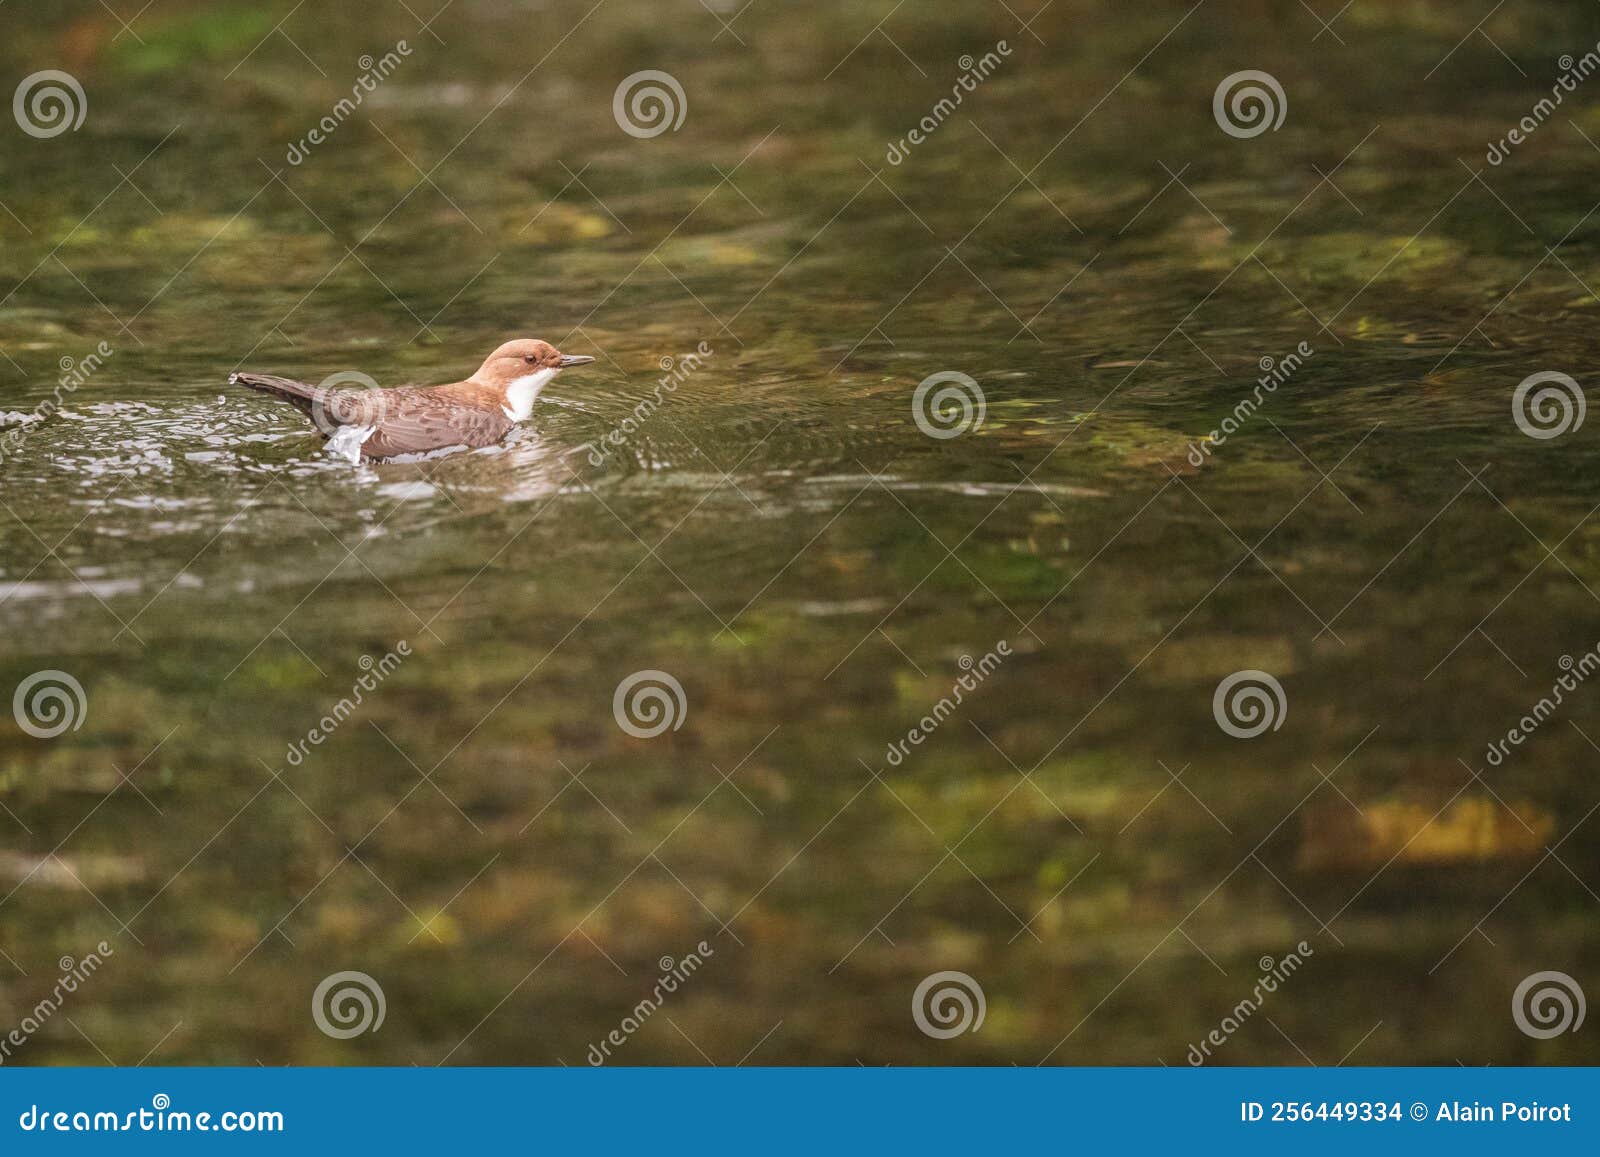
x,y
777,534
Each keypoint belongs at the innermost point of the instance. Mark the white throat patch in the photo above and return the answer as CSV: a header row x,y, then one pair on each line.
x,y
521,393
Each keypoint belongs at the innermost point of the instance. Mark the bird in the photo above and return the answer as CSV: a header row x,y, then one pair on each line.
x,y
377,424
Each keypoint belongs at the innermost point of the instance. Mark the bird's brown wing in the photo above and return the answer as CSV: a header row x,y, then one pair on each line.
x,y
404,420
418,422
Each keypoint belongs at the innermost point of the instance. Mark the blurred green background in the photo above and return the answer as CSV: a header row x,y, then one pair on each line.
x,y
1082,239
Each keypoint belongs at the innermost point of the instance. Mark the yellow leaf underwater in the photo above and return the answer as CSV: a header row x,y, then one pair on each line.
x,y
1472,828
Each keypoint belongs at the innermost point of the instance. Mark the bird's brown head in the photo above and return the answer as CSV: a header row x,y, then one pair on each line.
x,y
522,358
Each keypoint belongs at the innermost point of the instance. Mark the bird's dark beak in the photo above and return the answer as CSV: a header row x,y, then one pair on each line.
x,y
568,360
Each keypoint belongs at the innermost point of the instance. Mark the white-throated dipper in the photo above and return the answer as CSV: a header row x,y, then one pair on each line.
x,y
387,423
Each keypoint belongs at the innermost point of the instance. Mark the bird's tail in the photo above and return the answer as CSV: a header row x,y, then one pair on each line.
x,y
328,407
288,389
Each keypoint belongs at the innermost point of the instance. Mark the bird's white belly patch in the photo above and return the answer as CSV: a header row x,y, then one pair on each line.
x,y
346,442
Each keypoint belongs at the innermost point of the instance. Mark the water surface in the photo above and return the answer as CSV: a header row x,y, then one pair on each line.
x,y
1078,835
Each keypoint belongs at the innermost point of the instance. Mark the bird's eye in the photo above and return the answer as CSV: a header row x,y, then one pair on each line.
x,y
530,359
